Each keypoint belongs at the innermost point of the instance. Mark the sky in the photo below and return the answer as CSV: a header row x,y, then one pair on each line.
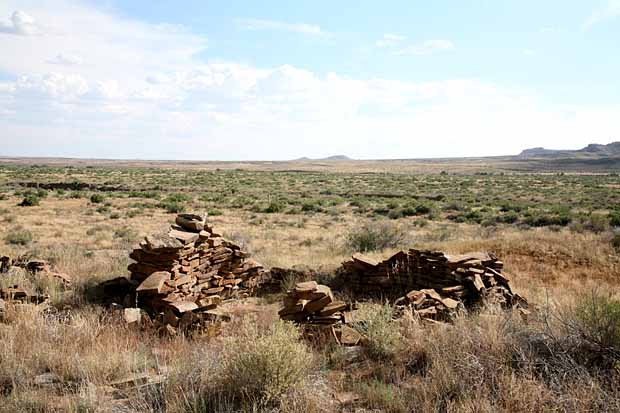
x,y
276,80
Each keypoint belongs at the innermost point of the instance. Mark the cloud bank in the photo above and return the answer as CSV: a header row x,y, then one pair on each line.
x,y
94,84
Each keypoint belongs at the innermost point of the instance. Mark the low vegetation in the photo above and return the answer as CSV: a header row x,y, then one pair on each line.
x,y
557,235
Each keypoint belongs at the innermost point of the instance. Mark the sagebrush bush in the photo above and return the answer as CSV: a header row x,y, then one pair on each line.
x,y
30,200
96,198
381,331
596,319
374,237
262,366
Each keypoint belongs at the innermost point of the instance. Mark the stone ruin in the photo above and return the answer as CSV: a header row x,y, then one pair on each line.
x,y
181,275
434,285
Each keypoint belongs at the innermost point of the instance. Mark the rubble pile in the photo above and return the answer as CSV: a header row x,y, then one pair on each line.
x,y
180,275
433,284
16,295
311,303
35,267
321,317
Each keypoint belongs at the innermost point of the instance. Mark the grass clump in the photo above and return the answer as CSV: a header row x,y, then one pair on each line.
x,y
262,367
96,198
30,200
374,237
19,237
596,319
381,331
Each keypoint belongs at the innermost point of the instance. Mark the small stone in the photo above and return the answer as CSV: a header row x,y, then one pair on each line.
x,y
132,316
183,306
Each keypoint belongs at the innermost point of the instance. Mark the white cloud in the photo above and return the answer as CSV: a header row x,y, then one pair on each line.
x,y
51,86
390,40
528,52
609,11
427,47
259,24
65,60
21,24
140,92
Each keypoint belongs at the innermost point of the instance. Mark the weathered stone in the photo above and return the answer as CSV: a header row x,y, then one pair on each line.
x,y
305,287
132,316
183,306
318,304
191,222
349,336
154,283
162,241
209,302
183,236
332,308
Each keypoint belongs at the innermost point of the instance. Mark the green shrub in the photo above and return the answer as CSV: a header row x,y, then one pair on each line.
x,y
509,217
262,366
614,219
96,198
274,207
422,209
178,198
174,207
374,237
545,219
395,214
214,212
30,200
19,237
311,206
103,209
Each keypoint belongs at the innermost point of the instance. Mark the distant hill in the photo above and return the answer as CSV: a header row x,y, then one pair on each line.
x,y
329,158
593,150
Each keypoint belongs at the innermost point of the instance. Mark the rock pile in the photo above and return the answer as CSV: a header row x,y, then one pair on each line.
x,y
434,284
35,267
311,303
183,273
20,296
321,317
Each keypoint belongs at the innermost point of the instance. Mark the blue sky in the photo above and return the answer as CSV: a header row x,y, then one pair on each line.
x,y
279,80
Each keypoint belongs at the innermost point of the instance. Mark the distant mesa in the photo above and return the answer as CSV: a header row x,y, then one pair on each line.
x,y
329,158
592,150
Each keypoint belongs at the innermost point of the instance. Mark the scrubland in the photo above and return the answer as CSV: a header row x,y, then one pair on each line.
x,y
558,235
